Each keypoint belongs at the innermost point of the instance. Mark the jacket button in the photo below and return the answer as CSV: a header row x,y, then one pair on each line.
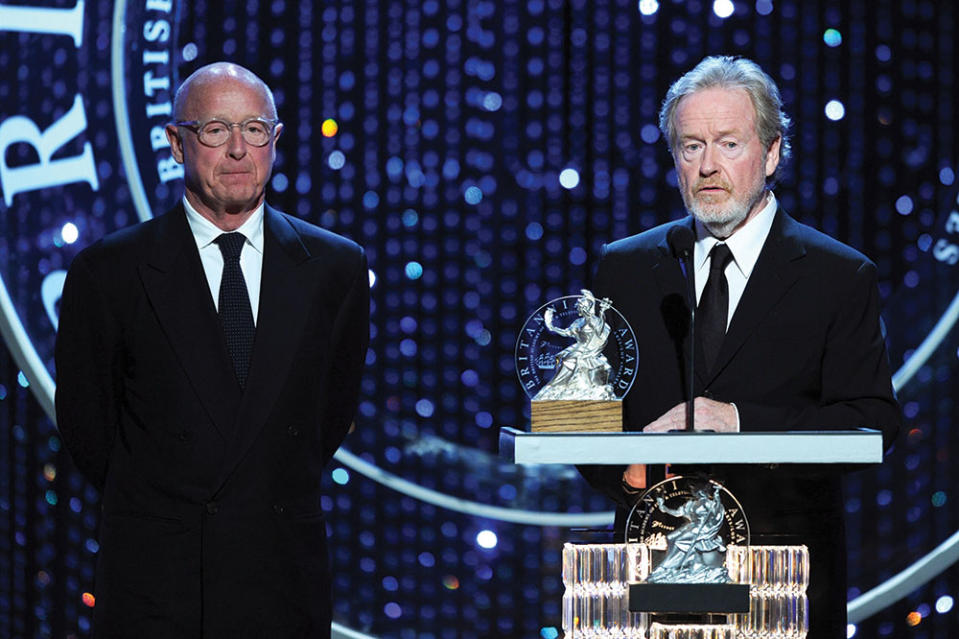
x,y
293,431
279,509
211,508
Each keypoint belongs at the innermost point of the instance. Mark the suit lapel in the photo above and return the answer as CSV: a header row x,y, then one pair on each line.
x,y
668,272
674,308
776,270
285,294
177,288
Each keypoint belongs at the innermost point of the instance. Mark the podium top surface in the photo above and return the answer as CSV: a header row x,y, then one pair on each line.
x,y
861,446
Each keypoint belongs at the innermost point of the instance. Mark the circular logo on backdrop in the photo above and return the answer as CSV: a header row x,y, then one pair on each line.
x,y
82,151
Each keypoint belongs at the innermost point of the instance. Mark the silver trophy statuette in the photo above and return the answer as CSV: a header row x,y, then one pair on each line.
x,y
576,386
692,545
582,371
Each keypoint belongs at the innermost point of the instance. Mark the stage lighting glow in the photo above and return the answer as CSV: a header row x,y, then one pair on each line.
x,y
424,408
450,582
723,8
649,133
492,101
850,630
372,278
947,176
832,37
341,476
764,7
22,380
569,178
648,7
329,128
913,619
413,270
393,610
69,233
486,539
336,160
944,604
835,110
88,599
904,205
472,195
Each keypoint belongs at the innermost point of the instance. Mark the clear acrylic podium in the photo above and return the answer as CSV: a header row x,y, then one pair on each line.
x,y
599,602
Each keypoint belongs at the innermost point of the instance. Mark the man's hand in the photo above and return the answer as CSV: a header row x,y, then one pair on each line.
x,y
709,415
635,476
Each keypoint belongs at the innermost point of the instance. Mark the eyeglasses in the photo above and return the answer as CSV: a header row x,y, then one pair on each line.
x,y
255,131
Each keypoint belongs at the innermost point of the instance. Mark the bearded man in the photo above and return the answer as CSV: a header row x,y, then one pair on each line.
x,y
788,330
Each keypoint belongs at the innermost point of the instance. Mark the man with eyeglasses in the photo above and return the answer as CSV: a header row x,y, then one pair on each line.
x,y
208,367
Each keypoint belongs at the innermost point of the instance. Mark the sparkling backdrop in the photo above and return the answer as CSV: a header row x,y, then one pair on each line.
x,y
483,152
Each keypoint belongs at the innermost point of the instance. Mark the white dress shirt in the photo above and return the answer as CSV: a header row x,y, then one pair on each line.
x,y
744,245
251,258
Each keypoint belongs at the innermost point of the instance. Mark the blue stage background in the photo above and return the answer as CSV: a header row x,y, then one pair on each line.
x,y
482,152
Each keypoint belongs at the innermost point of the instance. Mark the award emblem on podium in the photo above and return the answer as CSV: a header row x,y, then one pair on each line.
x,y
576,386
687,523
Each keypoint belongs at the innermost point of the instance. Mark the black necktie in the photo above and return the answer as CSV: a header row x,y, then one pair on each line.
x,y
714,305
236,317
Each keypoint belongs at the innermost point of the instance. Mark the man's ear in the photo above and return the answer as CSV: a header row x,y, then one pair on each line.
x,y
772,155
176,143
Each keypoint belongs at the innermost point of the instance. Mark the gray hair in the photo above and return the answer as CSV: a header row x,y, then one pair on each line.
x,y
728,72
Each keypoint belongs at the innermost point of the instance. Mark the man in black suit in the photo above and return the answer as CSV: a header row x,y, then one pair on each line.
x,y
208,366
797,342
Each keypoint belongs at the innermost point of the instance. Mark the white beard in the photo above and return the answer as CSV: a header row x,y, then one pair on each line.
x,y
723,218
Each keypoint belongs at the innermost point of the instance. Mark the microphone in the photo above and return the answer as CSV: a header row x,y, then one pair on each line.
x,y
680,239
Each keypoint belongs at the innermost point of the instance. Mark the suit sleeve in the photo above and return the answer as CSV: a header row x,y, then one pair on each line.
x,y
856,388
88,357
349,342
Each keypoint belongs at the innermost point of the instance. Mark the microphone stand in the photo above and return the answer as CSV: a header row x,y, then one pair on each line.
x,y
686,259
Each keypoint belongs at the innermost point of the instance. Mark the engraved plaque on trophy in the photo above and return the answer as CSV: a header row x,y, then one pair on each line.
x,y
576,358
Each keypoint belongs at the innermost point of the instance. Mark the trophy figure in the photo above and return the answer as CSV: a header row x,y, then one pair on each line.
x,y
582,371
578,386
695,550
688,523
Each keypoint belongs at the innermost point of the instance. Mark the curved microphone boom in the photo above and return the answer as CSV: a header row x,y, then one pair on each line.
x,y
680,239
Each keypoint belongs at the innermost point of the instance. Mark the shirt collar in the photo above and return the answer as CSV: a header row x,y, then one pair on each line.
x,y
205,231
745,244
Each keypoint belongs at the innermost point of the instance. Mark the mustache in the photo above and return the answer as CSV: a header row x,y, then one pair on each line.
x,y
702,184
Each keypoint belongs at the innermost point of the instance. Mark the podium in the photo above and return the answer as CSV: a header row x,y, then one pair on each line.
x,y
848,447
612,607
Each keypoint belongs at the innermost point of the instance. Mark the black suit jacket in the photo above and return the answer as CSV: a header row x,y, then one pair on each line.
x,y
211,523
804,350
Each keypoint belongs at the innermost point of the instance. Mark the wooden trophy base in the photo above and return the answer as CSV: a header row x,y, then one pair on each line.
x,y
576,415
